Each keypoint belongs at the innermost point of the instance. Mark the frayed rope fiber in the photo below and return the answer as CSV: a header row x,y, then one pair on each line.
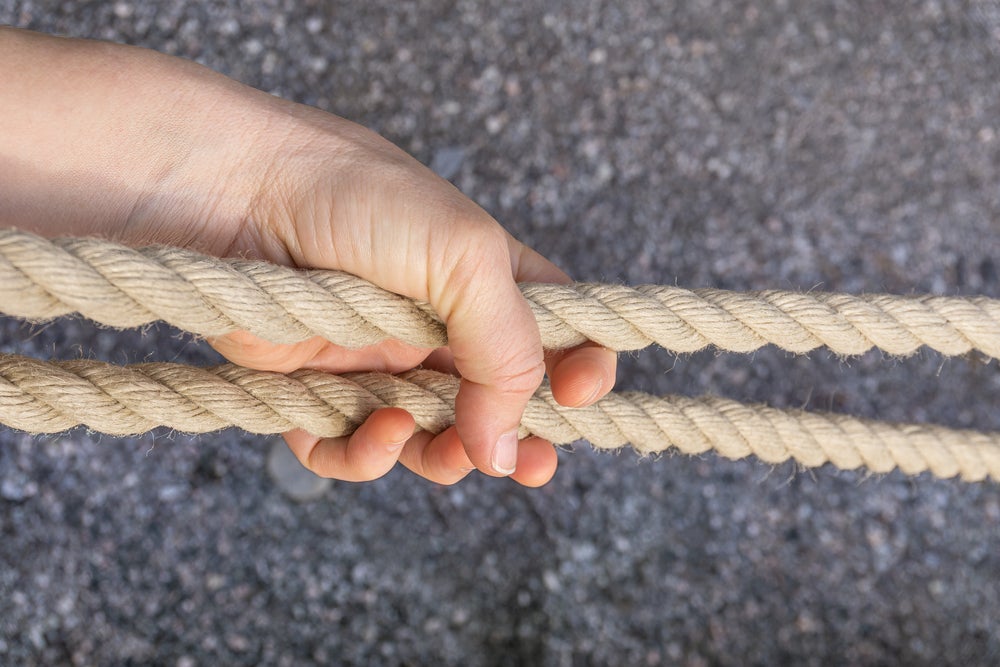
x,y
124,287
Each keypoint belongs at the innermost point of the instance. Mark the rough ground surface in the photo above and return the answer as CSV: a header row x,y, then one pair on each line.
x,y
849,146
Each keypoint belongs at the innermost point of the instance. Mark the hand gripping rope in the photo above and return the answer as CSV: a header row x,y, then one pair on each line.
x,y
124,287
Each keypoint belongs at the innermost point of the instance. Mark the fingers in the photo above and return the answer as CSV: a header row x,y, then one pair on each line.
x,y
536,462
250,351
578,377
247,350
443,459
375,448
366,455
581,376
440,458
496,347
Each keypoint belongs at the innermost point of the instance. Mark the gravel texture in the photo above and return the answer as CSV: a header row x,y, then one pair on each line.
x,y
845,146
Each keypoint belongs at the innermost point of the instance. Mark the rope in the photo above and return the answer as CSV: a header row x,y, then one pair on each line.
x,y
124,287
42,396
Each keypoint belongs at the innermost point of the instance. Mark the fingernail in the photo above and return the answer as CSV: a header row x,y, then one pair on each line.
x,y
504,459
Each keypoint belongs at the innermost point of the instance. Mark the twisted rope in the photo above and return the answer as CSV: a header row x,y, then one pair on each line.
x,y
42,396
125,287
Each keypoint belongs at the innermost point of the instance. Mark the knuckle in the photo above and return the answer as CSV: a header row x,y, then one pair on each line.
x,y
314,465
248,350
339,459
318,462
446,478
437,470
511,366
473,255
522,374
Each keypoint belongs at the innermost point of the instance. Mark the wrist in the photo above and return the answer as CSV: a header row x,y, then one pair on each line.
x,y
112,140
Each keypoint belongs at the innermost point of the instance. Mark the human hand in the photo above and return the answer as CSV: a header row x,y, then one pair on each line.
x,y
210,163
345,198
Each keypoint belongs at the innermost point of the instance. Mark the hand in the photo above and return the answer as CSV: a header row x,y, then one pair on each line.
x,y
159,149
342,197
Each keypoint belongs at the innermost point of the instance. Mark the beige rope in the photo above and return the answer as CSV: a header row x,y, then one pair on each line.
x,y
124,287
42,396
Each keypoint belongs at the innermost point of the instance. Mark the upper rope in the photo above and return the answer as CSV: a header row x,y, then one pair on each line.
x,y
125,287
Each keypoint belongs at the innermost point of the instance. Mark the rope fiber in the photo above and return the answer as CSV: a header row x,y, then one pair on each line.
x,y
124,287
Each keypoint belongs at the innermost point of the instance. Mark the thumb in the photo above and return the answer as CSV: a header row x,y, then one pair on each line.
x,y
495,343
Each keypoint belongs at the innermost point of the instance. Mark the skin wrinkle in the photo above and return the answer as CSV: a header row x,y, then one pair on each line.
x,y
262,228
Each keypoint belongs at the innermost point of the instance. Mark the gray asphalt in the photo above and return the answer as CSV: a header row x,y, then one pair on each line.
x,y
837,146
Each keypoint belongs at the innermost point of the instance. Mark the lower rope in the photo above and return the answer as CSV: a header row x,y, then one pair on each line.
x,y
47,397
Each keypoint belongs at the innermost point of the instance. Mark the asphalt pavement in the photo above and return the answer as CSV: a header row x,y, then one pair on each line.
x,y
842,146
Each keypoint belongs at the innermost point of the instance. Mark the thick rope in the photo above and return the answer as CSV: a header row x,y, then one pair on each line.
x,y
124,287
45,397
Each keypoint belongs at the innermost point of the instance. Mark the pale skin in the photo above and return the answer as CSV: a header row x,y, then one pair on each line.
x,y
125,143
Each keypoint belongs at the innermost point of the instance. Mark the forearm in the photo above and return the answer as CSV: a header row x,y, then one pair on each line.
x,y
93,135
